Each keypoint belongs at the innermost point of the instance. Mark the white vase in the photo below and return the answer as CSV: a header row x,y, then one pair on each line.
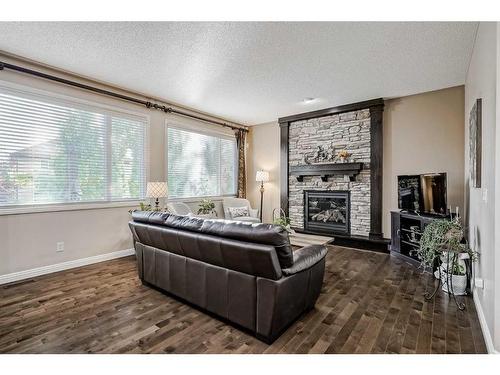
x,y
458,283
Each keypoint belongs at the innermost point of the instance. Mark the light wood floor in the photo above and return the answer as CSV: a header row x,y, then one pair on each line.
x,y
370,303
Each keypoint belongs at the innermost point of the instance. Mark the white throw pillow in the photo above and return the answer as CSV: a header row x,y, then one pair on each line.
x,y
238,212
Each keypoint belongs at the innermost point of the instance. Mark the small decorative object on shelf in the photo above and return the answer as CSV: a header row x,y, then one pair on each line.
x,y
414,232
343,156
324,155
318,156
442,245
207,207
279,218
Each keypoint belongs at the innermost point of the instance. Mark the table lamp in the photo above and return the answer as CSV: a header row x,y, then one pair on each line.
x,y
157,190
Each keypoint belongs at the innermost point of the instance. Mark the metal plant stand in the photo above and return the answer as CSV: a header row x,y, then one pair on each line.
x,y
449,281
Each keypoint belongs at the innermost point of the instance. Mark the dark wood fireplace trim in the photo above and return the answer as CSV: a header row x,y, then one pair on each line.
x,y
326,170
376,107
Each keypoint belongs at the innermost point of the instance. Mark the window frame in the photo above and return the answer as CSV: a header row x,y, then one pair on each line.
x,y
206,129
87,205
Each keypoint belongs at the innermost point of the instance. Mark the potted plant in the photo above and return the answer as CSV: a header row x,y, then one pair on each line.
x,y
207,207
442,246
279,218
143,207
455,270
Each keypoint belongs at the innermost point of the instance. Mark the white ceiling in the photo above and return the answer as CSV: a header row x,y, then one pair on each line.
x,y
254,72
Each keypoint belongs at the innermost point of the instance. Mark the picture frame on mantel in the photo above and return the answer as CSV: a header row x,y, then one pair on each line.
x,y
475,144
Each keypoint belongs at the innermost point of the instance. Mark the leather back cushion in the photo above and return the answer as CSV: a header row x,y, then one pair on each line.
x,y
247,257
266,234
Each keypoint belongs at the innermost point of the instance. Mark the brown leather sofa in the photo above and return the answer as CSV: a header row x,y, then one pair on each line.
x,y
245,273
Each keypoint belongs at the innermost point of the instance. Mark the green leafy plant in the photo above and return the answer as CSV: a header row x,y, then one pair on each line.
x,y
441,236
279,218
23,179
206,206
283,221
142,207
145,206
458,269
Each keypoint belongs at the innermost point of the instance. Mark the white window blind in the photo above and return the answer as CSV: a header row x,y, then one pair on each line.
x,y
200,165
55,150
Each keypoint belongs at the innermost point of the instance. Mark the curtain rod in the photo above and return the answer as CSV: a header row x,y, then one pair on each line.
x,y
147,104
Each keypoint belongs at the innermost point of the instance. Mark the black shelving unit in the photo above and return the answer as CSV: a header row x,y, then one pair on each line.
x,y
406,229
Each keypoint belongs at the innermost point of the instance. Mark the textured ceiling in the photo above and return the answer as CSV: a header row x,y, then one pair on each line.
x,y
254,72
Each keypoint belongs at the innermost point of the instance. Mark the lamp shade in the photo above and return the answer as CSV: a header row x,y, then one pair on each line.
x,y
262,176
157,189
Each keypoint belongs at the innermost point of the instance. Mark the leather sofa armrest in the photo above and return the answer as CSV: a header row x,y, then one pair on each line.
x,y
305,258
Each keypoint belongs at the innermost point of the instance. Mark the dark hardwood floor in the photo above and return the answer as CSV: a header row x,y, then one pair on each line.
x,y
370,303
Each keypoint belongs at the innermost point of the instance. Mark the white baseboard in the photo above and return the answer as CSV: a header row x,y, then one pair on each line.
x,y
484,326
16,276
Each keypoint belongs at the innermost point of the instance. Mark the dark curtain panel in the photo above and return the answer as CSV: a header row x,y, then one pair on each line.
x,y
242,180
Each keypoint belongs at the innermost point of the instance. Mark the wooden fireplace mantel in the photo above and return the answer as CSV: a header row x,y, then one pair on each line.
x,y
326,170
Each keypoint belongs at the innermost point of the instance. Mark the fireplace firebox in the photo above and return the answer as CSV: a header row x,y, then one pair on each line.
x,y
327,212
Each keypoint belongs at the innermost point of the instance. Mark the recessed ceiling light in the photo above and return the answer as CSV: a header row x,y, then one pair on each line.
x,y
308,100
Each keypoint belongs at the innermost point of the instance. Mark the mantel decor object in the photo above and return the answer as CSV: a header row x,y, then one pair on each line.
x,y
343,156
327,155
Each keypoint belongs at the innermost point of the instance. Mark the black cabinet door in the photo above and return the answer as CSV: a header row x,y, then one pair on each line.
x,y
395,232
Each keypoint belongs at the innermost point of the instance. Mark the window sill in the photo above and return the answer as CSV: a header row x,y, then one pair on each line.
x,y
218,198
66,207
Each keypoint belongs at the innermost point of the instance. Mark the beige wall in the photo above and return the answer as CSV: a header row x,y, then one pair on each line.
x,y
28,241
264,153
483,218
423,134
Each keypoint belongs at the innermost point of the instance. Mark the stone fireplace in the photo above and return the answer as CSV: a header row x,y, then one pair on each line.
x,y
349,131
327,211
329,195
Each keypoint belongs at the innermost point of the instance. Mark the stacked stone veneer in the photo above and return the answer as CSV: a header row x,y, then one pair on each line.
x,y
350,131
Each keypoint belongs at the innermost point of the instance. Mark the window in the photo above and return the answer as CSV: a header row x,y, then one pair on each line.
x,y
200,165
54,150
